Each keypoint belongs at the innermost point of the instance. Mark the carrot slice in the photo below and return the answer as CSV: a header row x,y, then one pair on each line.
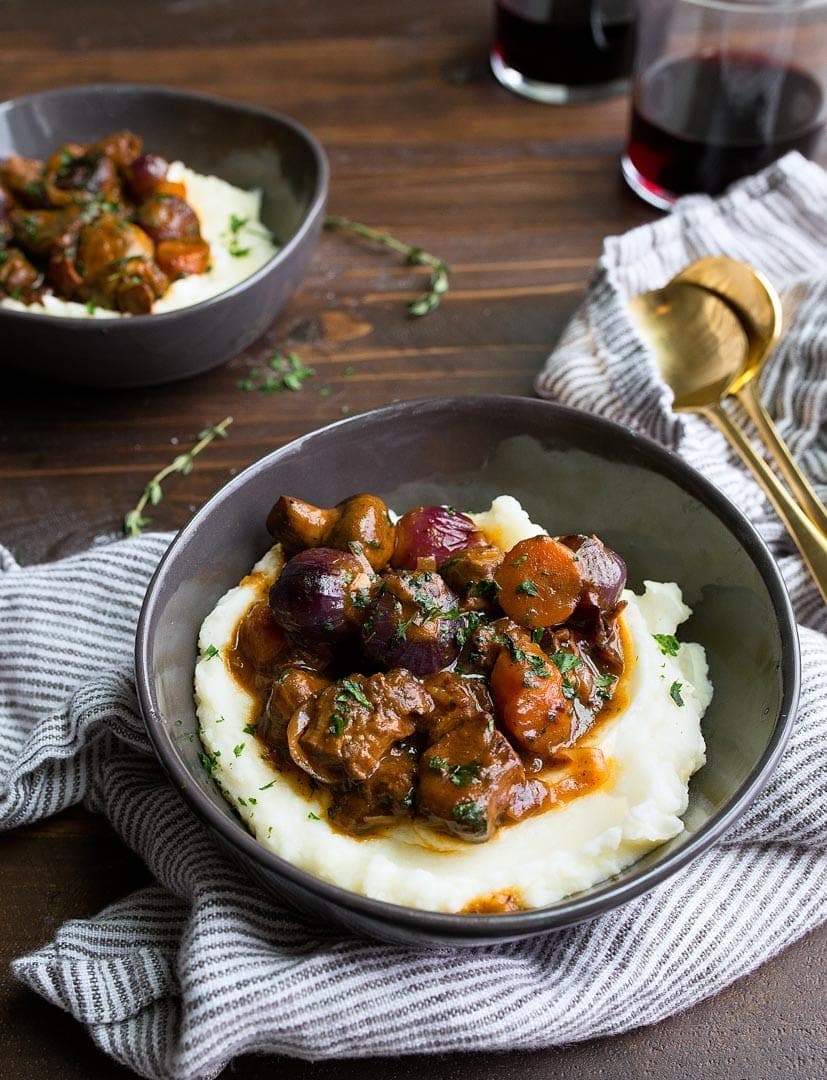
x,y
539,582
170,187
528,693
180,258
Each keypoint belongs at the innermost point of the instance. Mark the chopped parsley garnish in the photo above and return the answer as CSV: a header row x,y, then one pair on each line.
x,y
675,693
249,729
537,634
352,687
252,801
538,666
239,750
569,688
210,761
519,560
487,589
210,652
604,684
515,651
667,643
91,307
459,775
313,817
472,814
234,239
463,775
469,622
338,722
527,588
265,786
566,661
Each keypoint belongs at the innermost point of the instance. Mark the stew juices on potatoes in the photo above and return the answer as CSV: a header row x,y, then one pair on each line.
x,y
96,223
416,672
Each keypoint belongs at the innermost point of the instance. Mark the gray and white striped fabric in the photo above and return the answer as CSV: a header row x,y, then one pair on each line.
x,y
181,977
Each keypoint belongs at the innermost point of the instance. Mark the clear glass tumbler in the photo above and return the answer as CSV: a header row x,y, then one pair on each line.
x,y
722,88
556,51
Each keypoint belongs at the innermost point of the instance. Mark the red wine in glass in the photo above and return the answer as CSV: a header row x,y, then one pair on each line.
x,y
700,122
567,43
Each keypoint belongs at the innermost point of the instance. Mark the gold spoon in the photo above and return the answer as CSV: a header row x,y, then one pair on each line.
x,y
702,347
757,304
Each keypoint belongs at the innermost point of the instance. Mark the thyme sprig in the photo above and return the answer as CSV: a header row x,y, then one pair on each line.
x,y
135,521
439,282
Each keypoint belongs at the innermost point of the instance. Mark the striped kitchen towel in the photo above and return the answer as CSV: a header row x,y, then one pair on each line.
x,y
182,976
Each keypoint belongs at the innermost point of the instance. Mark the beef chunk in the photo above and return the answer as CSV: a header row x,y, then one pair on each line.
x,y
387,794
456,698
471,575
348,728
483,646
18,278
466,780
291,689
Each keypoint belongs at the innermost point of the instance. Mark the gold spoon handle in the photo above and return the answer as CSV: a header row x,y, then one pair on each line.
x,y
810,542
809,502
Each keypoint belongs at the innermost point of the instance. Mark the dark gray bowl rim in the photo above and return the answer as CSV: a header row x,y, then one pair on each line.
x,y
604,897
122,89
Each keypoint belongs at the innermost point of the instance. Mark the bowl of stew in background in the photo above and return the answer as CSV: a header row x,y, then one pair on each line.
x,y
572,472
246,146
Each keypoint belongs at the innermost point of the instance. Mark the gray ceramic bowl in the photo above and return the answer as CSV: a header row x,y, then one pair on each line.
x,y
248,147
573,473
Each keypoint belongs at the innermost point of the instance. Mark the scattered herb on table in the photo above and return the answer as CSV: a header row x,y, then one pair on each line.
x,y
438,284
285,373
135,522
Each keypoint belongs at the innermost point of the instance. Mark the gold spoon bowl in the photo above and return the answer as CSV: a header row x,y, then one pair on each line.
x,y
757,304
702,348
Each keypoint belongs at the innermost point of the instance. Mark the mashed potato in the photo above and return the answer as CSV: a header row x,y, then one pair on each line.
x,y
653,746
220,207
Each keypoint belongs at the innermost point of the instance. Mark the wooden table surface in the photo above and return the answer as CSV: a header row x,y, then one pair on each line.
x,y
517,197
